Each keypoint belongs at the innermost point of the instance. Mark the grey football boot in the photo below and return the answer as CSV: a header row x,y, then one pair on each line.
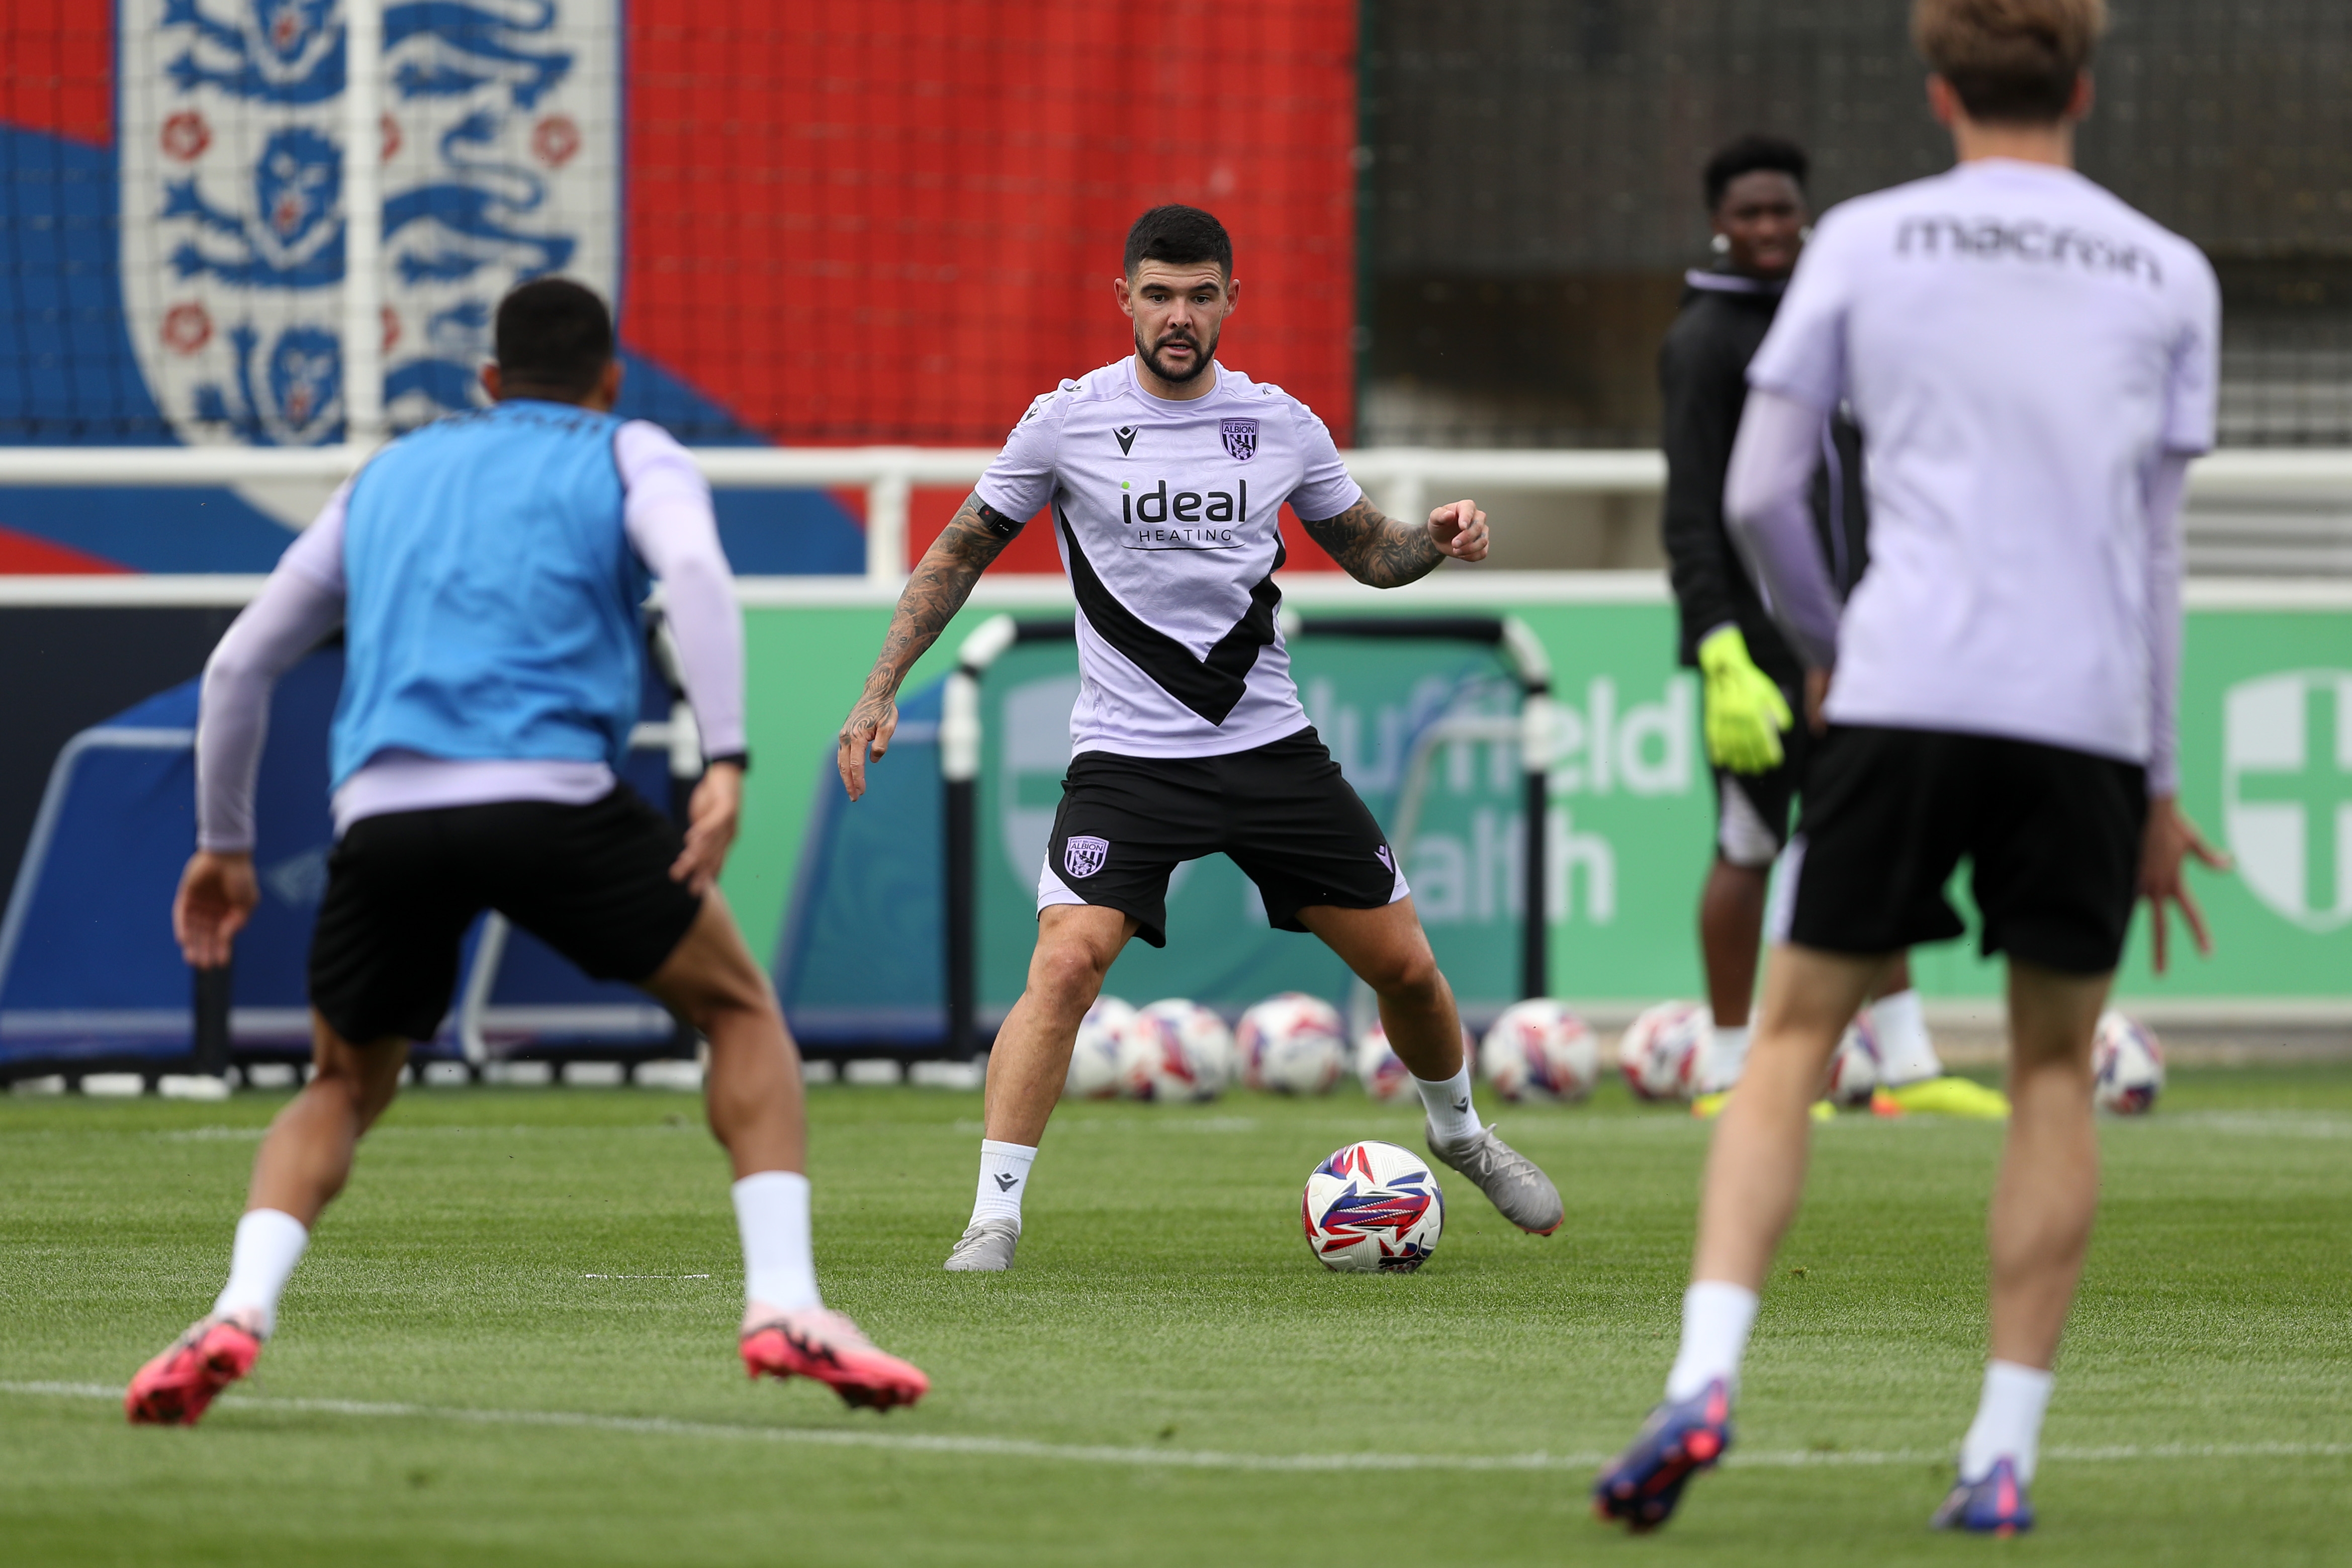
x,y
1508,1178
987,1247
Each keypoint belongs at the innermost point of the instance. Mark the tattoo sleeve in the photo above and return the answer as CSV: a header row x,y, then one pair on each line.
x,y
937,589
1377,549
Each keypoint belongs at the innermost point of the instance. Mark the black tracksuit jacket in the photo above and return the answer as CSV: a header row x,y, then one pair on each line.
x,y
1703,372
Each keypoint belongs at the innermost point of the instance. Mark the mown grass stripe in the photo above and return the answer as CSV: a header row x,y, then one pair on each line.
x,y
1170,1458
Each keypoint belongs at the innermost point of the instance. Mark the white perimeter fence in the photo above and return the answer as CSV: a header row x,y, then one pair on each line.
x,y
2253,512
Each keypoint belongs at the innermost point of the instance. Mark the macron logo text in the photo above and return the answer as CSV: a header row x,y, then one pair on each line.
x,y
2029,240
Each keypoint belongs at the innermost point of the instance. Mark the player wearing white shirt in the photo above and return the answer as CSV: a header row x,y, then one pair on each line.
x,y
1164,476
2032,366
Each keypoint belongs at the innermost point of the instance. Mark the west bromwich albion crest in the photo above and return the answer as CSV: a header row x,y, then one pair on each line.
x,y
500,164
1083,855
1240,438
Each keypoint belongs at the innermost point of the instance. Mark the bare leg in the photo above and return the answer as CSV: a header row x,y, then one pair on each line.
x,y
1075,946
2049,1186
306,1156
1898,977
752,1097
1756,1168
1730,937
1388,951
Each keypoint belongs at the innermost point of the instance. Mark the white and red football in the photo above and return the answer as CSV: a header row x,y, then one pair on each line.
x,y
1093,1060
2126,1065
1174,1049
1384,1074
1854,1065
1293,1044
1540,1050
1659,1047
1372,1207
1382,1071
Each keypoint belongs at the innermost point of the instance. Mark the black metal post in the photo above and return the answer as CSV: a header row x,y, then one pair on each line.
x,y
212,1038
1535,930
963,917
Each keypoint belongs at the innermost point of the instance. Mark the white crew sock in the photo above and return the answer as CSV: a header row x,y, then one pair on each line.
x,y
1003,1181
269,1242
772,1212
1452,1116
1716,1317
1906,1054
2007,1423
1726,1058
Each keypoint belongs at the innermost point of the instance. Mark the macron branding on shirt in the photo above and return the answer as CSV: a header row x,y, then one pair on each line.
x,y
2021,349
1168,517
2029,242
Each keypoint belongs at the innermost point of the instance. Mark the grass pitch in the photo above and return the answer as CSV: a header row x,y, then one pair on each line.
x,y
512,1343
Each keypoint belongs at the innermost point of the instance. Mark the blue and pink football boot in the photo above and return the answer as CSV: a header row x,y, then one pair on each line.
x,y
1681,1438
1996,1505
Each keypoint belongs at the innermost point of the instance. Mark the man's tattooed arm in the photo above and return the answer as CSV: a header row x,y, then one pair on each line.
x,y
1377,549
936,589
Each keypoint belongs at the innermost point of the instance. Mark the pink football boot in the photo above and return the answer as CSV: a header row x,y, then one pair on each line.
x,y
175,1388
826,1345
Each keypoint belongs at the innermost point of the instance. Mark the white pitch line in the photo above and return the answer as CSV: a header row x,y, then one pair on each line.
x,y
1167,1458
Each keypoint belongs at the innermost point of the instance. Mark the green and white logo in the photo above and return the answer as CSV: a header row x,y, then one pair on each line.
x,y
2287,791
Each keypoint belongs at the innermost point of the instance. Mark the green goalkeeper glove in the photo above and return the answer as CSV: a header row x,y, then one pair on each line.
x,y
1745,710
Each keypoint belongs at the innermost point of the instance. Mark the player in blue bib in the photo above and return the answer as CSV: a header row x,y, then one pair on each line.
x,y
488,572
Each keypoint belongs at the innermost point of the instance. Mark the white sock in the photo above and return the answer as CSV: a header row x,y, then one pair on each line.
x,y
269,1242
1906,1054
1726,1058
772,1212
1716,1317
1452,1117
1003,1181
2008,1421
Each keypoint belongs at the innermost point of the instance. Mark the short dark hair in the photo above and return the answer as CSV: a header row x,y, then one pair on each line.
x,y
1178,236
553,335
2011,61
1749,154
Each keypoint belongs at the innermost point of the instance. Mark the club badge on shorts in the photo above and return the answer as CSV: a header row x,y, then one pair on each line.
x,y
1083,855
1240,438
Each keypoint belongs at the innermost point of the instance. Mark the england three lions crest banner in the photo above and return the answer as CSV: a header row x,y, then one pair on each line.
x,y
499,142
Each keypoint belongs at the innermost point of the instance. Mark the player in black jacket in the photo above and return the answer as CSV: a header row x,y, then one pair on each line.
x,y
1754,684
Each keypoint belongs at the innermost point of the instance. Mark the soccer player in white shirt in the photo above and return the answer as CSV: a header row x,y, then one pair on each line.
x,y
2033,365
1165,474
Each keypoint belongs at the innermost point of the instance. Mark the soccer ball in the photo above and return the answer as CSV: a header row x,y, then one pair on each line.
x,y
1094,1063
1174,1049
1659,1047
1293,1043
1853,1066
1539,1050
1372,1207
1381,1070
2127,1065
1384,1074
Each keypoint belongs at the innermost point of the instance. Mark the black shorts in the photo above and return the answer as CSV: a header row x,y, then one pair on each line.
x,y
1283,811
2053,837
591,882
1751,810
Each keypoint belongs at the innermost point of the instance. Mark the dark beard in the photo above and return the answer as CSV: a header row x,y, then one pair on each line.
x,y
1207,352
